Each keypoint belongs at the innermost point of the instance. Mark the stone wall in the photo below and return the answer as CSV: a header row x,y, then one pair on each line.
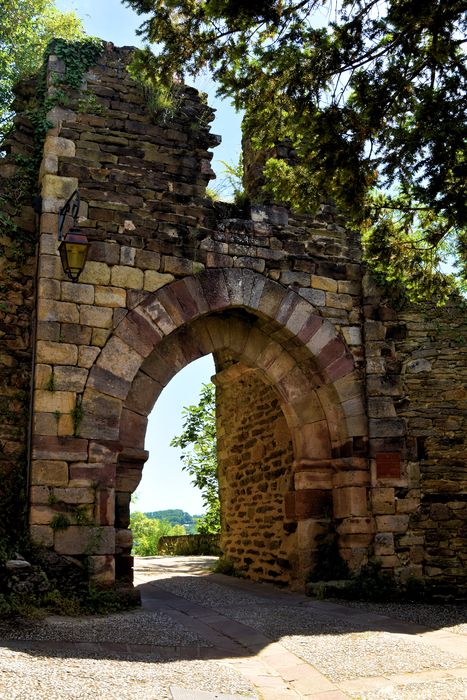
x,y
17,302
255,460
298,330
417,389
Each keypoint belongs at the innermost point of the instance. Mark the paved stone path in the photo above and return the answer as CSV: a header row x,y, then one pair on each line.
x,y
202,636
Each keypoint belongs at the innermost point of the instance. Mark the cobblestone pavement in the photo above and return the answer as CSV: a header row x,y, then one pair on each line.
x,y
201,636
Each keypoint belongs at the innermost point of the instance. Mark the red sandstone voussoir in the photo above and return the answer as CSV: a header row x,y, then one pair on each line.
x,y
139,332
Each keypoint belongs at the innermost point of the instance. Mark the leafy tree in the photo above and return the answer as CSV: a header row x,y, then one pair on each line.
x,y
198,440
148,531
26,28
369,93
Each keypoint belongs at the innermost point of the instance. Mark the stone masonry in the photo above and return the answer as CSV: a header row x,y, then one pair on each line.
x,y
333,409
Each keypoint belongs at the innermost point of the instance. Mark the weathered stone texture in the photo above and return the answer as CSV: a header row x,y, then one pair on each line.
x,y
373,400
255,471
17,291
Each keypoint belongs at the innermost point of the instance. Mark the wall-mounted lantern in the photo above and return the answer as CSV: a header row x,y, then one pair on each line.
x,y
74,244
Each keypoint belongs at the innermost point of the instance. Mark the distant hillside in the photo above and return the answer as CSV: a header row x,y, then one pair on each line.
x,y
176,517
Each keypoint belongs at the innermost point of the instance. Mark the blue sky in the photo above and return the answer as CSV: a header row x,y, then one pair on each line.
x,y
164,484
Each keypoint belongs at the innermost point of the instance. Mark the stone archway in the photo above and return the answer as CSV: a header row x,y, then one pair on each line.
x,y
297,352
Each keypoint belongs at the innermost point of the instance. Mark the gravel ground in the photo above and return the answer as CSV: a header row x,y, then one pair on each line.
x,y
367,654
450,617
135,627
32,675
335,647
448,689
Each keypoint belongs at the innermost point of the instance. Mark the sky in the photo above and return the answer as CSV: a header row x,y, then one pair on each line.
x,y
164,484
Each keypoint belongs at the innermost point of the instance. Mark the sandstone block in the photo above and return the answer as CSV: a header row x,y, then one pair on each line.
x,y
104,252
317,297
339,301
87,356
95,316
407,505
49,473
314,478
101,416
58,146
52,401
49,225
56,353
75,334
350,501
77,292
381,407
72,379
155,280
325,283
147,260
177,266
352,335
51,310
40,515
118,357
49,288
392,523
42,535
128,277
324,335
42,376
49,266
302,505
100,336
356,525
107,382
95,273
85,540
383,500
74,495
58,187
112,297
47,447
354,477
390,427
133,429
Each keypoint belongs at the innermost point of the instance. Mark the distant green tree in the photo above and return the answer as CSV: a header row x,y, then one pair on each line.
x,y
148,531
26,27
199,457
175,516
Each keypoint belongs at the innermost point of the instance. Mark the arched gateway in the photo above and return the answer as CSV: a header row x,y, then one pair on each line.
x,y
327,398
260,325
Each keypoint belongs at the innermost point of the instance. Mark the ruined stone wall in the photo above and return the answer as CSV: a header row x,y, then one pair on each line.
x,y
417,388
433,357
255,460
17,302
172,276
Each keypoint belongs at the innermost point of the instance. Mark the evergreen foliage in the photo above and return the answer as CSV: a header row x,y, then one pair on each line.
x,y
370,94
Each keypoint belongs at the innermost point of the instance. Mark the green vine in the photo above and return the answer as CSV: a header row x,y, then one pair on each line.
x,y
77,416
60,522
162,101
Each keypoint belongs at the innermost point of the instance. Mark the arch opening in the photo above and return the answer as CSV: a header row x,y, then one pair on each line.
x,y
252,326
